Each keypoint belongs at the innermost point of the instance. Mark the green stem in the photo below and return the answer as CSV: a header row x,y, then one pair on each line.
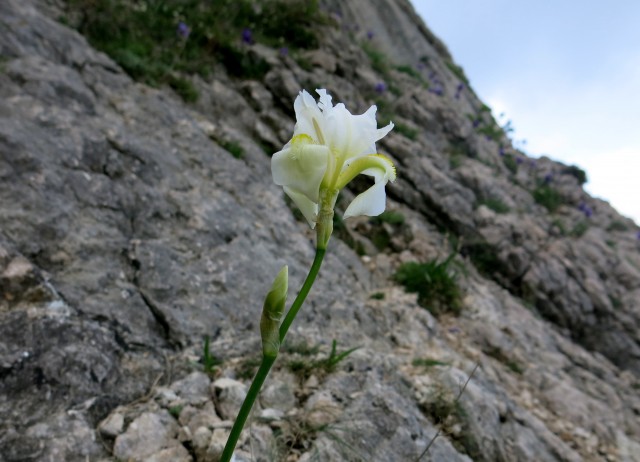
x,y
306,287
267,362
245,410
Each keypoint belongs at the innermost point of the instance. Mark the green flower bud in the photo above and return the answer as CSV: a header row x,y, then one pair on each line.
x,y
272,313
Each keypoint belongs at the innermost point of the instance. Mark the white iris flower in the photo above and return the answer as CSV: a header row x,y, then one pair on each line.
x,y
330,147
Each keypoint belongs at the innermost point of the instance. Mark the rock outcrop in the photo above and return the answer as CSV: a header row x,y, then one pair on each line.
x,y
129,232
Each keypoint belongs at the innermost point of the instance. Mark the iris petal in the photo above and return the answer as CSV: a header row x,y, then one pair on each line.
x,y
370,203
300,167
308,208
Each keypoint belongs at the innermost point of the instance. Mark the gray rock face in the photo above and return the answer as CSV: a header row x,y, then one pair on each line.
x,y
127,234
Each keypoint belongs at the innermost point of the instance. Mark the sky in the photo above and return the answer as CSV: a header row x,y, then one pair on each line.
x,y
565,72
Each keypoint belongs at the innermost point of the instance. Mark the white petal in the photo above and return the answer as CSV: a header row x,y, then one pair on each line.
x,y
370,203
309,209
382,132
301,168
325,100
306,112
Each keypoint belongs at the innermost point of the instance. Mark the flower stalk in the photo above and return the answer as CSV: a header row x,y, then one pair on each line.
x,y
330,147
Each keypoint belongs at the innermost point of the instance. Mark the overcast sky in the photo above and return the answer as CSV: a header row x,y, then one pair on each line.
x,y
565,72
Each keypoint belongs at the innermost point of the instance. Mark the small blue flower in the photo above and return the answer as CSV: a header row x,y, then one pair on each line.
x,y
284,51
459,89
370,34
381,87
638,235
476,123
183,30
548,178
247,36
519,160
502,152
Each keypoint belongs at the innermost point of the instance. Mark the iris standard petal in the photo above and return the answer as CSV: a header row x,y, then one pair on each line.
x,y
382,132
307,111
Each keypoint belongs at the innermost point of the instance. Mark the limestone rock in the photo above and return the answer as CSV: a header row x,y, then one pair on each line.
x,y
130,232
150,435
229,395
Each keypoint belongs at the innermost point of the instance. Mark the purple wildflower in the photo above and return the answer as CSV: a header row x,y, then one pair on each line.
x,y
548,178
381,87
459,90
247,36
533,163
420,66
638,235
502,152
476,123
370,34
183,30
519,160
437,90
284,51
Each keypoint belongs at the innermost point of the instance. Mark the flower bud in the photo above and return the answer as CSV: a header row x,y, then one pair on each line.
x,y
272,313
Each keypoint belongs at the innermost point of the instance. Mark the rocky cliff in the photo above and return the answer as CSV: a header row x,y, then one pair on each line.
x,y
134,225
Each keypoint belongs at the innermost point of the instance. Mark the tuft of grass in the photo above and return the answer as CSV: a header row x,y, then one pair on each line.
x,y
579,229
496,205
410,71
335,358
428,362
617,225
406,131
234,148
378,59
485,259
184,88
458,72
511,164
434,282
548,197
176,410
380,236
455,162
326,365
576,172
492,131
142,36
209,362
499,355
377,296
389,216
